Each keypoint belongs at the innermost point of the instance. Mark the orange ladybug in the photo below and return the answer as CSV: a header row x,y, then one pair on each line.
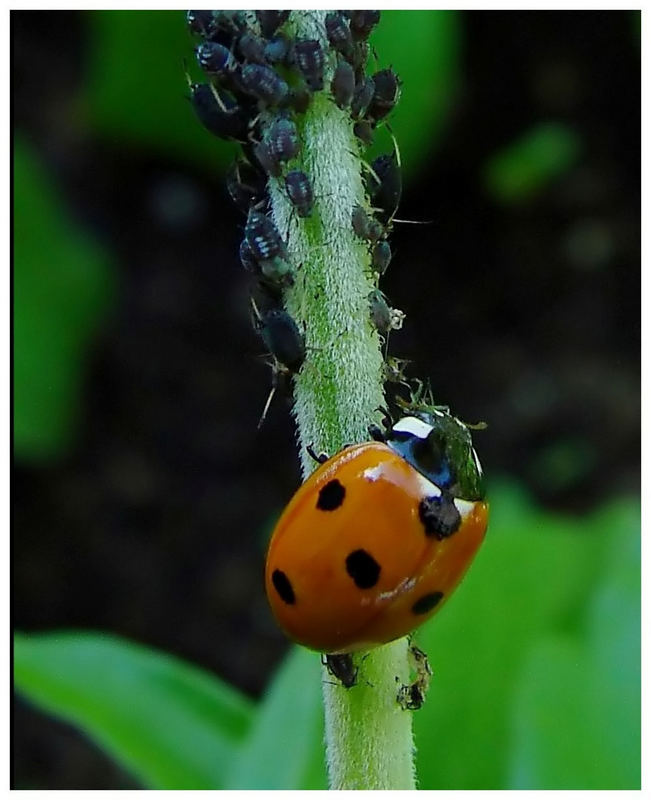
x,y
377,538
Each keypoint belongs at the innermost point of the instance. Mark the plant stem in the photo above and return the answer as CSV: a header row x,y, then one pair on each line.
x,y
337,394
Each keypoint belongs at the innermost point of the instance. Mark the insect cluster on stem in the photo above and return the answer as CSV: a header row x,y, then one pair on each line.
x,y
259,80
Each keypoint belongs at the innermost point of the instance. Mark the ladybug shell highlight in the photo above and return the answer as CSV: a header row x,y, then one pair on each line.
x,y
353,561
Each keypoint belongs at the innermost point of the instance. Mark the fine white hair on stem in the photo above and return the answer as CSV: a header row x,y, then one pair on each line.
x,y
337,394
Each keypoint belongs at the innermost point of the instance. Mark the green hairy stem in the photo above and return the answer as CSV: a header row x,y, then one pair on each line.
x,y
337,394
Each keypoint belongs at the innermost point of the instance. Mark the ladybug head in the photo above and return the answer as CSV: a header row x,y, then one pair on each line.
x,y
440,447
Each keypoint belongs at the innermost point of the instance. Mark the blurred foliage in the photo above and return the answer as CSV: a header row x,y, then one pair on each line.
x,y
136,82
170,723
63,287
424,47
537,576
526,166
136,88
537,659
536,684
285,745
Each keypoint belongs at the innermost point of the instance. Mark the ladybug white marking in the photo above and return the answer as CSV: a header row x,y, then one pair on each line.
x,y
414,426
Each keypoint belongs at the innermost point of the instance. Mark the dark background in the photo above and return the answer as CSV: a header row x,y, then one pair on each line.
x,y
527,316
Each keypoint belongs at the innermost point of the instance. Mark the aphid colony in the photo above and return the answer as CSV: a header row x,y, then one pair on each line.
x,y
259,80
377,538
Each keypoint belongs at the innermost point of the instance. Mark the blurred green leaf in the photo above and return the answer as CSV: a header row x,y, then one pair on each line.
x,y
525,167
63,286
536,677
172,725
424,49
563,463
531,577
136,87
577,705
284,749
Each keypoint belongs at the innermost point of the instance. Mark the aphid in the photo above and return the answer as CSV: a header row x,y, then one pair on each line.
x,y
343,84
270,21
360,59
245,184
268,249
246,257
277,270
264,84
263,237
218,112
365,226
363,129
216,59
310,61
285,342
230,21
200,22
412,696
386,94
385,186
342,667
300,98
380,311
282,139
362,23
394,370
381,256
265,295
252,48
276,49
362,97
338,32
299,191
274,274
263,155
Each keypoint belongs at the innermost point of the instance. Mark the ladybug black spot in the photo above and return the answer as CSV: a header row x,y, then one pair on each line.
x,y
331,496
427,602
283,587
363,569
439,515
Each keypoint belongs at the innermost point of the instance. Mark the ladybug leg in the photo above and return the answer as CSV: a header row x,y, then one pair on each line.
x,y
376,433
320,458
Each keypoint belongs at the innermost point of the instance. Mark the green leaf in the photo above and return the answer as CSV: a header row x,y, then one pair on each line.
x,y
63,287
424,49
284,749
136,87
524,168
576,716
172,725
534,575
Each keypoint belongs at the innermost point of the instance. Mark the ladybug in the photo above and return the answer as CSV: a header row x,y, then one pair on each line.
x,y
378,537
